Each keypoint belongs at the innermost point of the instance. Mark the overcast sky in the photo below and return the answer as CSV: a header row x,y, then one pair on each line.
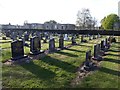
x,y
62,11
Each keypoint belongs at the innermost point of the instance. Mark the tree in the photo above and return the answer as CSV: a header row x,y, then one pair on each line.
x,y
109,21
85,20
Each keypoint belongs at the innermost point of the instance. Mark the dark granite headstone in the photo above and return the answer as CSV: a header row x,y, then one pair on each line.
x,y
17,50
61,42
73,40
88,55
52,44
94,37
97,55
26,36
35,46
102,45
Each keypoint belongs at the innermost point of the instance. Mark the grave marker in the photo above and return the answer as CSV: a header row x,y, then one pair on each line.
x,y
73,40
61,42
52,44
17,50
97,52
35,46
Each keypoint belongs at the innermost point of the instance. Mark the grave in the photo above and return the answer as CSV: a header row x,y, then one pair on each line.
x,y
88,64
26,36
66,37
82,39
97,53
90,38
61,42
17,50
35,46
94,37
73,41
52,45
102,45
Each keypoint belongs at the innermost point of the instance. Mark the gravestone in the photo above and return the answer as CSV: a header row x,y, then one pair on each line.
x,y
90,38
66,37
102,45
88,55
82,39
61,42
51,45
26,36
88,64
17,50
35,46
73,40
97,53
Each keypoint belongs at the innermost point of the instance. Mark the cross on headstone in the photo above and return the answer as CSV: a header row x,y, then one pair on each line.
x,y
17,50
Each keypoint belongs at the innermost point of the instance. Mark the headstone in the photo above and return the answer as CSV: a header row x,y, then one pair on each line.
x,y
66,37
26,36
52,45
88,55
17,50
35,45
97,53
88,64
90,37
94,37
73,41
102,45
61,42
82,38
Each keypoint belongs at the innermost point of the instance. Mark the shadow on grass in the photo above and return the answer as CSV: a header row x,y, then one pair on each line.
x,y
113,72
67,54
113,50
40,72
112,60
75,50
84,45
113,55
61,64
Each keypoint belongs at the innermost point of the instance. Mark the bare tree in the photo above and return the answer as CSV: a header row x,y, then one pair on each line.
x,y
85,20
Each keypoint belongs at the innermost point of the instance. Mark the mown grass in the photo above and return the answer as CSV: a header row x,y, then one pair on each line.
x,y
108,76
55,70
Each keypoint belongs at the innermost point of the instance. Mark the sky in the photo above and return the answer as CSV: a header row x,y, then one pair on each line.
x,y
62,11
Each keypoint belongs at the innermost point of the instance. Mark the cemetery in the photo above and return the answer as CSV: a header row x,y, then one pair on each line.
x,y
53,60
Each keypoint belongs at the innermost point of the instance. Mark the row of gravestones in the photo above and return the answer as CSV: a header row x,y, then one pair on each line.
x,y
99,51
17,46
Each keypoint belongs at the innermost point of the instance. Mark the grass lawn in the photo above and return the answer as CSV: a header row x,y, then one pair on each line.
x,y
108,76
54,70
